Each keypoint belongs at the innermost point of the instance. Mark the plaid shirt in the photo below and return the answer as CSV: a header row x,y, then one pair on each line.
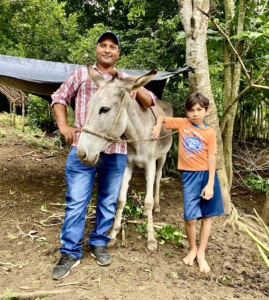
x,y
80,86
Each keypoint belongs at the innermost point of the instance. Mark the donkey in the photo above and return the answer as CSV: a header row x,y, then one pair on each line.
x,y
135,122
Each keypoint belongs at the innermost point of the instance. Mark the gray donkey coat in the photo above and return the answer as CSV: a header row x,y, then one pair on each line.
x,y
135,122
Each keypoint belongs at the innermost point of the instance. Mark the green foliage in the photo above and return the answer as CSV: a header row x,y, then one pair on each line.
x,y
132,209
84,49
46,31
168,254
2,133
257,183
141,227
8,38
39,114
90,209
10,295
168,232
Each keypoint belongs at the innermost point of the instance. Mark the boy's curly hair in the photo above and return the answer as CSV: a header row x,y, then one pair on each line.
x,y
195,98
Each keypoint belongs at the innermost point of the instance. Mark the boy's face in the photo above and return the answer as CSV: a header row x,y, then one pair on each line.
x,y
197,114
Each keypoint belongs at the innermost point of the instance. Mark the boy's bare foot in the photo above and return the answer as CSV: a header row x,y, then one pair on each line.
x,y
203,265
189,259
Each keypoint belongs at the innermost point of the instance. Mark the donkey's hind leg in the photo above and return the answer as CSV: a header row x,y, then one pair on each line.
x,y
121,204
149,202
158,176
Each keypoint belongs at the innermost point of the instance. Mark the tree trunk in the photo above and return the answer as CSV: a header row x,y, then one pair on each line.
x,y
256,123
232,75
266,126
259,122
241,132
195,26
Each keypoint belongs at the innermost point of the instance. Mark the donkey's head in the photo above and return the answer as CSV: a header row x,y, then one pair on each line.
x,y
102,110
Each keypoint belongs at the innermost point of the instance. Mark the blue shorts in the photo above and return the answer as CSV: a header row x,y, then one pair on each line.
x,y
195,207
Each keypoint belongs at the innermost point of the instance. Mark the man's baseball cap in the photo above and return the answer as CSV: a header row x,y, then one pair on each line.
x,y
109,34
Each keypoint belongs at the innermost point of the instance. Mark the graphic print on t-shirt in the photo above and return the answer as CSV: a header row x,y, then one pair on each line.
x,y
191,143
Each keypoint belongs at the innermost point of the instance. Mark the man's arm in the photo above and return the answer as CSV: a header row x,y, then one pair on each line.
x,y
60,98
156,130
144,97
61,119
207,192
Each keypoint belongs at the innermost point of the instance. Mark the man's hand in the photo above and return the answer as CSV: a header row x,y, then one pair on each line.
x,y
156,130
207,192
69,133
133,93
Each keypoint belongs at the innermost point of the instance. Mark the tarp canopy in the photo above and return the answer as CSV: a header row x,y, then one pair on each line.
x,y
45,77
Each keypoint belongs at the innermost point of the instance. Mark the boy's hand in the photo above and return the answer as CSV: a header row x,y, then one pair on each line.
x,y
133,93
156,130
207,192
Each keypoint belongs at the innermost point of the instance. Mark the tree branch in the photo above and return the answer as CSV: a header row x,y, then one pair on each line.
x,y
212,19
251,84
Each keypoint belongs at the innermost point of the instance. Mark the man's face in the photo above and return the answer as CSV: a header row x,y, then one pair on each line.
x,y
107,52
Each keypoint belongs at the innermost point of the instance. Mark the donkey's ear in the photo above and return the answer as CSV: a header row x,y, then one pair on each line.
x,y
95,76
135,82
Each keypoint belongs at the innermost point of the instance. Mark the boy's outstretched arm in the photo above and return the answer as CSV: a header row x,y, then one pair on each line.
x,y
156,130
207,192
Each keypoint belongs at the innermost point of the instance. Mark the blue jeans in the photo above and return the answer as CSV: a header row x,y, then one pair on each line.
x,y
80,180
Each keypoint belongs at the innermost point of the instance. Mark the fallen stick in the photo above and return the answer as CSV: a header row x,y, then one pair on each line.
x,y
122,255
4,215
75,283
242,179
38,226
27,154
50,224
34,294
157,225
7,263
6,204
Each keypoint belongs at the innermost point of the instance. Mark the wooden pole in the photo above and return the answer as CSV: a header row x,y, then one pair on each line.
x,y
14,114
10,113
23,111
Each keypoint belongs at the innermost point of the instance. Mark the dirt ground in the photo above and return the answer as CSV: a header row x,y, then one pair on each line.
x,y
33,181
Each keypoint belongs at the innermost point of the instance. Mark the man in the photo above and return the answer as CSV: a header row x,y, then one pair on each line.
x,y
80,178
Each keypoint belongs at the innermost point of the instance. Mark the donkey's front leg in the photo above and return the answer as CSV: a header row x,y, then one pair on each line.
x,y
149,201
121,204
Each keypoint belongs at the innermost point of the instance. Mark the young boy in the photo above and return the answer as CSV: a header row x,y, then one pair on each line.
x,y
197,158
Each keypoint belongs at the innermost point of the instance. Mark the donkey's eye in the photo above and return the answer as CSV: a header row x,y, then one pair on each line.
x,y
104,109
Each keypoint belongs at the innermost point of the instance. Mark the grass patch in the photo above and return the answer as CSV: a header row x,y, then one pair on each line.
x,y
2,133
28,134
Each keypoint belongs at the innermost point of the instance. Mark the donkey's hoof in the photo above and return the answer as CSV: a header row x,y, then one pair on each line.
x,y
111,243
152,245
157,209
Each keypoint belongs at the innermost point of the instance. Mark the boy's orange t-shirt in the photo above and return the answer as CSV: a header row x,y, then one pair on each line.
x,y
195,143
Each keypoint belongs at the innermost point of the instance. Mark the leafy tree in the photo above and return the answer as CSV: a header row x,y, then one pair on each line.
x,y
46,32
8,38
